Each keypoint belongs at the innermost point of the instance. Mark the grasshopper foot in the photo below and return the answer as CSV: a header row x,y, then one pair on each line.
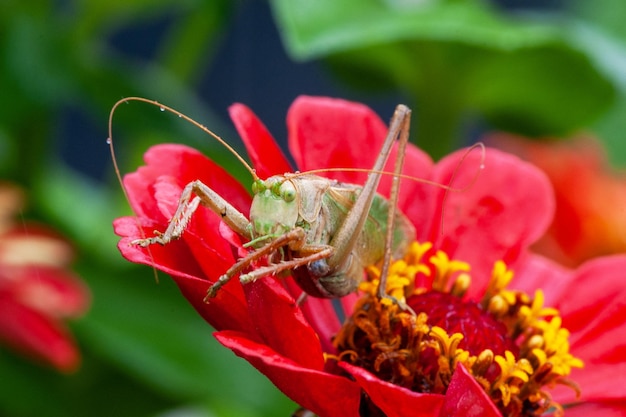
x,y
211,293
403,305
213,289
144,243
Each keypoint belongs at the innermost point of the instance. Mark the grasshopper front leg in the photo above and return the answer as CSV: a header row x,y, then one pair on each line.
x,y
188,205
294,237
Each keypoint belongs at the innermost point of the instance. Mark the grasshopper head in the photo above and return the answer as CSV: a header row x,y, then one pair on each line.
x,y
274,209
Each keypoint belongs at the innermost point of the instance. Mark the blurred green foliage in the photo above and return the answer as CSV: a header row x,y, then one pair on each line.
x,y
463,61
146,352
461,64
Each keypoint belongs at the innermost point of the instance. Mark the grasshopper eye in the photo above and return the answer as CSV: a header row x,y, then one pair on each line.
x,y
275,188
288,191
258,187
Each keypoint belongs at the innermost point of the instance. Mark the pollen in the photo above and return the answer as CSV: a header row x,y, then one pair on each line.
x,y
513,345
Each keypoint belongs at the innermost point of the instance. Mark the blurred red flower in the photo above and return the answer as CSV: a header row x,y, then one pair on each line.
x,y
590,218
37,291
497,218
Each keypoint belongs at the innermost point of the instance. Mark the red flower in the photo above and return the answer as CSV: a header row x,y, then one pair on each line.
x,y
36,290
497,218
590,198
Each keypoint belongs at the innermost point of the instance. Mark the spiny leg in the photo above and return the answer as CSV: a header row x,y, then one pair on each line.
x,y
287,265
187,207
284,266
295,235
301,298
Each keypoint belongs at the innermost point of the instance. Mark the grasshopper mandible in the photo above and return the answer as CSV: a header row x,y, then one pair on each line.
x,y
324,233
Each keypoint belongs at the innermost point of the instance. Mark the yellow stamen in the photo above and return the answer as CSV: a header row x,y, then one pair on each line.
x,y
445,269
403,348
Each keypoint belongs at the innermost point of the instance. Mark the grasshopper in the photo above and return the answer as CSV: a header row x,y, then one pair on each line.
x,y
322,232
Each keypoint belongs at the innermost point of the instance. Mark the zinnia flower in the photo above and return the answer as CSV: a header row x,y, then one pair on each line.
x,y
37,291
487,334
590,218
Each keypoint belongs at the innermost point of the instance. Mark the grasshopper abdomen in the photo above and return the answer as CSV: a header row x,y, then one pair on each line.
x,y
320,279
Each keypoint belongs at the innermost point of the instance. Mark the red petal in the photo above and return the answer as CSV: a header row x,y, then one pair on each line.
x,y
267,157
597,382
203,237
465,398
37,335
52,291
593,310
604,409
170,168
594,294
167,192
281,325
498,216
393,400
321,315
334,133
325,319
227,311
538,272
175,258
582,229
325,394
32,243
202,254
185,165
415,199
326,132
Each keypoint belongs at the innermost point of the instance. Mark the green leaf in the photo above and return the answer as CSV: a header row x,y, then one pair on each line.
x,y
527,73
97,390
605,35
606,14
84,209
315,29
545,90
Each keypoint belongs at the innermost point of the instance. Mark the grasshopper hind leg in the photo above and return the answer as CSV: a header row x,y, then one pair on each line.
x,y
404,114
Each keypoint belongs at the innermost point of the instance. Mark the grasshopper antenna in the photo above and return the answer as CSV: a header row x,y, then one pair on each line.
x,y
483,152
447,187
162,107
188,119
118,174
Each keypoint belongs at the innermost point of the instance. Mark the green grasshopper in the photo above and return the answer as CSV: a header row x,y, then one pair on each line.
x,y
322,232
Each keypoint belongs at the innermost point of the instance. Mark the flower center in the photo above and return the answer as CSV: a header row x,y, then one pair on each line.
x,y
480,329
509,342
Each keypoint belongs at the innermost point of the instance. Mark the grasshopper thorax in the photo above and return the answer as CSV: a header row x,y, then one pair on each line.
x,y
274,208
